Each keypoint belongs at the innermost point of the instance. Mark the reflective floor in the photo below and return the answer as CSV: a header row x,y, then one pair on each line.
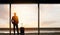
x,y
26,32
19,34
44,32
19,31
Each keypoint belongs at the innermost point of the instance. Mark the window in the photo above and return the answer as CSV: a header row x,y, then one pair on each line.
x,y
49,15
4,15
27,14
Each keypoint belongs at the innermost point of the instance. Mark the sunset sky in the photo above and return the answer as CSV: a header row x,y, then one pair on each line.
x,y
49,15
27,14
4,15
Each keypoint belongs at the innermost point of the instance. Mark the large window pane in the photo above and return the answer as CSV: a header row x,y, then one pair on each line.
x,y
27,14
4,15
49,15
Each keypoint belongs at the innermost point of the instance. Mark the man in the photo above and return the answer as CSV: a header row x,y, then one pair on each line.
x,y
15,23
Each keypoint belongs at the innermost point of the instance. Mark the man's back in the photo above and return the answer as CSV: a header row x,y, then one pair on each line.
x,y
15,19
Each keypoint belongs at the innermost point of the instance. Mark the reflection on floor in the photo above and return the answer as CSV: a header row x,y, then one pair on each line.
x,y
19,34
49,31
28,31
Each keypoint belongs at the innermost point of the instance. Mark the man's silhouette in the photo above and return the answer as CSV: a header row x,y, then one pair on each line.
x,y
15,23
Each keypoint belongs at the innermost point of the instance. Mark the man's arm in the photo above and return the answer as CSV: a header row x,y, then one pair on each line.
x,y
12,20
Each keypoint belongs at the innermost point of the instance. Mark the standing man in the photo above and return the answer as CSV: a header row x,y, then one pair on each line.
x,y
15,23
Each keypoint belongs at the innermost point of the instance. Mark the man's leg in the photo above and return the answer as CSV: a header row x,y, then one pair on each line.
x,y
14,28
17,29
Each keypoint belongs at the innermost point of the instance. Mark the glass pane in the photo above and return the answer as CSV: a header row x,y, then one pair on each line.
x,y
49,15
4,18
4,15
27,15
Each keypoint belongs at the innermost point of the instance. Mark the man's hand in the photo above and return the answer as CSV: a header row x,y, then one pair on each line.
x,y
12,21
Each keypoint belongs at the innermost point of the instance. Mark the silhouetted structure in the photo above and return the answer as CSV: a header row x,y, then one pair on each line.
x,y
15,23
22,30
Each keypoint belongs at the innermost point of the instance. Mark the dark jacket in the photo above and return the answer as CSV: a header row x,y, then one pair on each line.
x,y
15,20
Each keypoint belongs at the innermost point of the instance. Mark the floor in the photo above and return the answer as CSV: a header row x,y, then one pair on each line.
x,y
19,34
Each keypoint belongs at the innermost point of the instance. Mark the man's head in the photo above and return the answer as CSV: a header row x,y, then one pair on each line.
x,y
14,14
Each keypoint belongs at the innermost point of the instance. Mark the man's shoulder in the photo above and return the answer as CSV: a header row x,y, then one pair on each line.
x,y
14,16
